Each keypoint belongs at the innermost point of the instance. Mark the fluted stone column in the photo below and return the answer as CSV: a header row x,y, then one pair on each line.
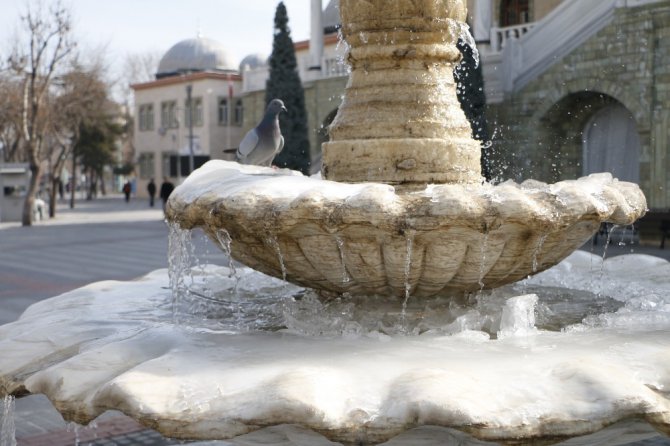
x,y
400,121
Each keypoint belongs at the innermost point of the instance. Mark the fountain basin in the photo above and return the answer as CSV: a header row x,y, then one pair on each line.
x,y
369,238
115,345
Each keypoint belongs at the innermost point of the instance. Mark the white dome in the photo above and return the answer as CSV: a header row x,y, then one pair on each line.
x,y
199,54
253,61
331,15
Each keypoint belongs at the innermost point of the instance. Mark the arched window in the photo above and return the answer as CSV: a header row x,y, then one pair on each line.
x,y
514,12
239,112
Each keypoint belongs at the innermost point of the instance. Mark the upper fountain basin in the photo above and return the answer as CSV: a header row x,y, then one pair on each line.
x,y
367,238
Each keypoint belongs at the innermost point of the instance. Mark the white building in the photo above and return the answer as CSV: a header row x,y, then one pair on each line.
x,y
165,138
164,141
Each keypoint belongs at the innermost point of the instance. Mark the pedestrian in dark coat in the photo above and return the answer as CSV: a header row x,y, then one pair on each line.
x,y
151,188
166,189
127,189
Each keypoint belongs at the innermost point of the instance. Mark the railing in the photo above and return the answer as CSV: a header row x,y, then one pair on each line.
x,y
334,67
569,25
500,36
254,79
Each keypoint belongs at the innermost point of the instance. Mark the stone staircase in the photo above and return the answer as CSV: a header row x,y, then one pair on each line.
x,y
517,56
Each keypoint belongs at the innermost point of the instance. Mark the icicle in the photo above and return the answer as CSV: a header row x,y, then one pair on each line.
x,y
180,257
8,427
538,249
409,241
482,262
340,247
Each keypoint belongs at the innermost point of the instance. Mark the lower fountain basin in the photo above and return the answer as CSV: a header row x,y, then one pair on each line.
x,y
116,345
369,238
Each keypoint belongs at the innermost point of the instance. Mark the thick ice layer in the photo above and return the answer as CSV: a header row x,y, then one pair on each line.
x,y
481,368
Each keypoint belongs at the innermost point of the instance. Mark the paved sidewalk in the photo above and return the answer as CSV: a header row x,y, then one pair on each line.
x,y
107,209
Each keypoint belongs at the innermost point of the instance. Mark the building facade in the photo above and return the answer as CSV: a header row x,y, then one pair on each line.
x,y
572,87
584,89
191,113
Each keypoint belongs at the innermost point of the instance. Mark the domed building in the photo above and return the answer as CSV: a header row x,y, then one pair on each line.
x,y
253,62
192,112
196,55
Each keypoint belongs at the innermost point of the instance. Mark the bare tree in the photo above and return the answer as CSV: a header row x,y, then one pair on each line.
x,y
137,68
36,62
82,99
10,114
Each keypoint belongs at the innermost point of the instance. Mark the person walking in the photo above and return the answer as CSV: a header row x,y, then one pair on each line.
x,y
151,188
166,189
127,188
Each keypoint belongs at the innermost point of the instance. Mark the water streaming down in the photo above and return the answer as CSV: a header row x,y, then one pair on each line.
x,y
8,427
482,262
340,247
271,240
225,241
538,249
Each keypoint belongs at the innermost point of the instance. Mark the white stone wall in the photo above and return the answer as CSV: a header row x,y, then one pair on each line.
x,y
210,138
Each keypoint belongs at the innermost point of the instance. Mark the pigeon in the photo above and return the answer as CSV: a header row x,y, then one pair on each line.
x,y
262,143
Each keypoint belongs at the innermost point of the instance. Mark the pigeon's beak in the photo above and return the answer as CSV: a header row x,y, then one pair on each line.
x,y
284,108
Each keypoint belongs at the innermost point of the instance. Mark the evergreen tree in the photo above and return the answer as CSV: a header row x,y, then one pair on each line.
x,y
284,83
471,95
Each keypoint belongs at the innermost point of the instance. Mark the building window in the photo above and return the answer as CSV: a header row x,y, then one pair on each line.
x,y
165,163
146,117
514,12
239,112
169,115
223,111
146,165
197,112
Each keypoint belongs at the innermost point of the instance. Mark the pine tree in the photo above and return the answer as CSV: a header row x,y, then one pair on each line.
x,y
471,95
284,83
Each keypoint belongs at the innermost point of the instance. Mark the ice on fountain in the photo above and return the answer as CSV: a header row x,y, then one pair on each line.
x,y
347,368
7,425
518,316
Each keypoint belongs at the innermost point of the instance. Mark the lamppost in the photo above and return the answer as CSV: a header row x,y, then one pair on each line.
x,y
189,92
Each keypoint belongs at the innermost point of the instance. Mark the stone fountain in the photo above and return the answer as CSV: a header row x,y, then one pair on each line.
x,y
404,210
214,352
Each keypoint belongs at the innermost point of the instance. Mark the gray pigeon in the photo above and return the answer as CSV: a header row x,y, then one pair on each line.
x,y
262,143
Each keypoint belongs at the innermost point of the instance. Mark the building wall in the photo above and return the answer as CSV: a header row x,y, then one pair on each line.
x,y
539,129
322,98
212,138
541,8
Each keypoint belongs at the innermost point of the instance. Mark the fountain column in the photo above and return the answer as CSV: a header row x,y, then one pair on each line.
x,y
400,121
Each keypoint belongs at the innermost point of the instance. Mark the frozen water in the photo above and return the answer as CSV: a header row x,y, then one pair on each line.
x,y
253,351
7,426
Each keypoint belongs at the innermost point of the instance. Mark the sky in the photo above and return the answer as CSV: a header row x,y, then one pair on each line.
x,y
140,26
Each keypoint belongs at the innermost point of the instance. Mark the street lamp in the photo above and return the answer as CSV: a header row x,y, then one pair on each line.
x,y
189,92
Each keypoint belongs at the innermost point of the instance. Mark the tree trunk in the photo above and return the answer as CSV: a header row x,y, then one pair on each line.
x,y
103,189
53,194
29,203
73,184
